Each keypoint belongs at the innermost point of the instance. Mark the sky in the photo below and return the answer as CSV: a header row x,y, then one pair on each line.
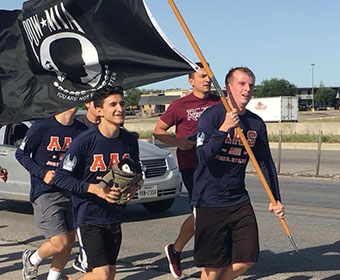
x,y
276,39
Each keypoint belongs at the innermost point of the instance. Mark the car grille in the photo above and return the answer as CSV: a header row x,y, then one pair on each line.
x,y
154,167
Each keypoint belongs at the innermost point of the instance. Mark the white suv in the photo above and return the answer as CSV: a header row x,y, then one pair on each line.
x,y
162,180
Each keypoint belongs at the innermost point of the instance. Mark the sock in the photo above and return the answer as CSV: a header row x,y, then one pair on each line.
x,y
35,258
53,275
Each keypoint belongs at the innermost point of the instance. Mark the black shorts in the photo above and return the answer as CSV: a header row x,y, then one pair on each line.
x,y
225,235
188,180
100,244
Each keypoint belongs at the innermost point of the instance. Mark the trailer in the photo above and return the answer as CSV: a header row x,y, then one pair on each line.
x,y
275,109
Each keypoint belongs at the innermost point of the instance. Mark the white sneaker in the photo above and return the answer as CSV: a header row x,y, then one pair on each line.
x,y
29,271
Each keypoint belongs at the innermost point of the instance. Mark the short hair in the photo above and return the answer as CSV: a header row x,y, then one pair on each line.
x,y
200,65
229,77
105,92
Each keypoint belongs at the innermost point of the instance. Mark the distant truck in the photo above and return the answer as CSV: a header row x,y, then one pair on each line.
x,y
275,109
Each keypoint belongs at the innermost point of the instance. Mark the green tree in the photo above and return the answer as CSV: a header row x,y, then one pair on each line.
x,y
325,95
275,87
132,96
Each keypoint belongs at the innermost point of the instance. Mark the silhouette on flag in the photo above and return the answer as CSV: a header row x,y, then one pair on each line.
x,y
57,54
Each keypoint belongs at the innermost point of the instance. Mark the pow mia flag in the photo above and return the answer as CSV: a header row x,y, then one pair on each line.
x,y
56,54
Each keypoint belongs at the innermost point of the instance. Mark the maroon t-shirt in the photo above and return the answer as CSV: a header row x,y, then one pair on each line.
x,y
184,114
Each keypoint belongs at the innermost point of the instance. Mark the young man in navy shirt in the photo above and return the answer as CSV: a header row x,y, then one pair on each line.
x,y
184,113
44,145
89,119
89,158
226,236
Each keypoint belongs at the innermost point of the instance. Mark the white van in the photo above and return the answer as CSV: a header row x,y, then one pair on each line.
x,y
162,180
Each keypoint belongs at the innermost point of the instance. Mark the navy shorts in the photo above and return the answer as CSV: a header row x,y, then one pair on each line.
x,y
100,244
225,235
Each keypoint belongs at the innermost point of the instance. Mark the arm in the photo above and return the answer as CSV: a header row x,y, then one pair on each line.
x,y
65,173
212,132
161,133
265,160
70,165
30,145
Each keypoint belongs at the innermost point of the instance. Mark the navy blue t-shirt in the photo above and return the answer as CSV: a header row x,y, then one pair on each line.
x,y
88,159
41,150
219,178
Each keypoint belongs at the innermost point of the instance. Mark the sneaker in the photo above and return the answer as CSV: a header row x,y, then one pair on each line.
x,y
174,259
29,271
77,265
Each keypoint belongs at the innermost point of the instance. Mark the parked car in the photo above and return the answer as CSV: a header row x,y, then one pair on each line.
x,y
320,106
162,180
130,112
303,107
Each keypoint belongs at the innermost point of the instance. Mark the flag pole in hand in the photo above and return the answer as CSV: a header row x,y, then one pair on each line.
x,y
228,109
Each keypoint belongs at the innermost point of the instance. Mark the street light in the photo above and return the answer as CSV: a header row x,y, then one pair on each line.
x,y
313,104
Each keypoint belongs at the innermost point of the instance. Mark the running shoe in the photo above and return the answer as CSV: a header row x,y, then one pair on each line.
x,y
29,271
174,259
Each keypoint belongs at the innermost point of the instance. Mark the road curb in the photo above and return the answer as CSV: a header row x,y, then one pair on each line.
x,y
306,146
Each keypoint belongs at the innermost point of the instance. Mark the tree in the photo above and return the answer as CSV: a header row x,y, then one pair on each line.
x,y
275,87
325,95
132,96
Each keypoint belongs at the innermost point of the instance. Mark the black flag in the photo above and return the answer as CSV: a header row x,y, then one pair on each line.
x,y
56,54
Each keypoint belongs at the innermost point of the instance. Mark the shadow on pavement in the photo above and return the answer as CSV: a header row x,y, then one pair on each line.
x,y
314,259
321,258
136,212
16,206
11,257
142,267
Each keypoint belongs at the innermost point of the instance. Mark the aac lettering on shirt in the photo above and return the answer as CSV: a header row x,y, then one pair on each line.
x,y
54,145
251,138
98,163
235,153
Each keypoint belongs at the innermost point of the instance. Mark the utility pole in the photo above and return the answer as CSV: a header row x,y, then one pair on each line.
x,y
313,102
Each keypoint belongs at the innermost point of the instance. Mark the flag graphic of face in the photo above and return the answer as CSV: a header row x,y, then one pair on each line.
x,y
55,55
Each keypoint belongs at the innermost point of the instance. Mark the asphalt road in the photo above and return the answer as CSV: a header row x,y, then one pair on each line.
x,y
313,214
304,163
299,162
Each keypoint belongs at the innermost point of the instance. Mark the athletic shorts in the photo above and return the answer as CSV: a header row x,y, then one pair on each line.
x,y
53,213
225,235
100,244
188,180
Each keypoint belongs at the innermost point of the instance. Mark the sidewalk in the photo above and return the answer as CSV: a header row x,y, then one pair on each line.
x,y
306,146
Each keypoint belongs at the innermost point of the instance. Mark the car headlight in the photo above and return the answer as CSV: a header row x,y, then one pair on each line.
x,y
171,162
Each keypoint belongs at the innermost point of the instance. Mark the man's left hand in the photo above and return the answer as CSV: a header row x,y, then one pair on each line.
x,y
279,210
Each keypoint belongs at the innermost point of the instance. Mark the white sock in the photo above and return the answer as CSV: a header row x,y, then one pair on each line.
x,y
53,275
35,259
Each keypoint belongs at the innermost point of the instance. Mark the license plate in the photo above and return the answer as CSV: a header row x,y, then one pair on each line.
x,y
147,192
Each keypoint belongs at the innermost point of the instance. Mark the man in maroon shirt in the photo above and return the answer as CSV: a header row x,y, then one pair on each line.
x,y
184,113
